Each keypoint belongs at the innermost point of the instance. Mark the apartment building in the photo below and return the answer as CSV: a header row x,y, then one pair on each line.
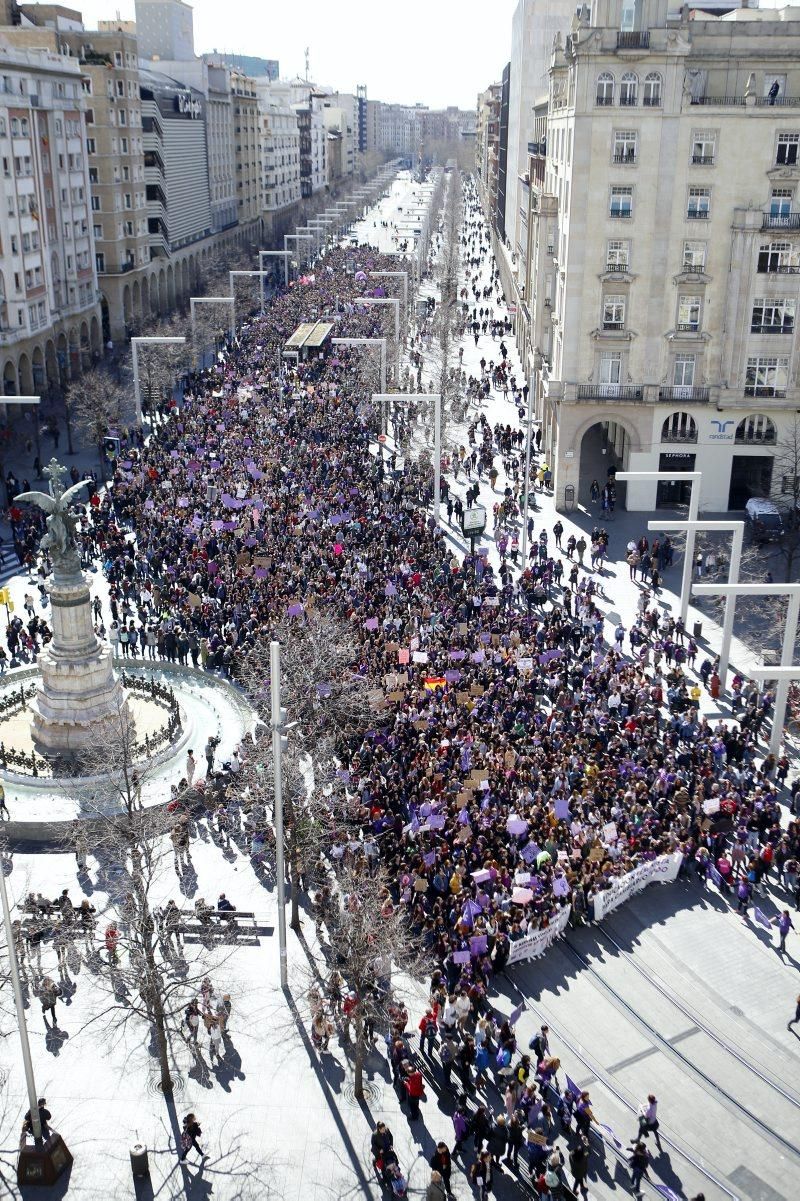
x,y
279,137
49,298
663,250
487,145
246,150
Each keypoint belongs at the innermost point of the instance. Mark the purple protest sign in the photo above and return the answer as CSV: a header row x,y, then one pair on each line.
x,y
456,655
453,675
217,525
213,569
530,852
561,809
371,623
295,610
197,522
229,526
478,656
436,821
461,957
517,826
761,918
479,944
390,589
429,859
173,454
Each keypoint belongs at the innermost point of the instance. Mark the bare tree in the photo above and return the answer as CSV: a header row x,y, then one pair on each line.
x,y
144,977
372,945
786,472
96,405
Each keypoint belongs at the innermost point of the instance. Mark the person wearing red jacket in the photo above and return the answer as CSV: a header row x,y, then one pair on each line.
x,y
415,1090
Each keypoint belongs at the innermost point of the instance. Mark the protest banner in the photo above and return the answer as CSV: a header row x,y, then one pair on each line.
x,y
664,869
536,943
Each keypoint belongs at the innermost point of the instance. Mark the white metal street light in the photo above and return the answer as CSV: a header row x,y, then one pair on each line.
x,y
282,254
695,479
135,344
278,724
436,397
226,300
379,342
792,591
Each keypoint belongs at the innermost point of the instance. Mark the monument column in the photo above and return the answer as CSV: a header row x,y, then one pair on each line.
x,y
79,701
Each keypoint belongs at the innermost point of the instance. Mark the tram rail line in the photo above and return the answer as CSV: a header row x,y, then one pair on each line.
x,y
609,1084
656,981
713,1087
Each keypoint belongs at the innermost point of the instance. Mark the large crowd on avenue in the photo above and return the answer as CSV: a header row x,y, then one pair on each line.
x,y
528,753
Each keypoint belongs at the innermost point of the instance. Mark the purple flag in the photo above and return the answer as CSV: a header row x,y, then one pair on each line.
x,y
573,1088
561,808
436,821
457,655
479,944
715,875
611,1135
429,859
762,918
260,573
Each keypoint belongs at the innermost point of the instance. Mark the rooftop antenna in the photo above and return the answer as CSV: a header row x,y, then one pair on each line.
x,y
308,55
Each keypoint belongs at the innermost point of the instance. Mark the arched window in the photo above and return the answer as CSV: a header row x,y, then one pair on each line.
x,y
605,88
652,90
756,430
679,427
629,89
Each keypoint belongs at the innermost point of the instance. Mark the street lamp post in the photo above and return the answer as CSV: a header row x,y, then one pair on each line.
x,y
436,397
135,344
792,591
526,489
226,300
281,254
737,529
380,342
370,300
44,1162
695,479
262,275
278,730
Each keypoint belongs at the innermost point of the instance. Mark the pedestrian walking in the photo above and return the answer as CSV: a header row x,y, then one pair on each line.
x,y
49,992
784,924
796,1019
639,1162
648,1121
189,1136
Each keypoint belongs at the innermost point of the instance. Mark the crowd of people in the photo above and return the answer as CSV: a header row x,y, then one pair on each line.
x,y
524,759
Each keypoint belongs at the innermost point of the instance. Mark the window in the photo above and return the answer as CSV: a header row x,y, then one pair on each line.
x,y
694,256
629,89
614,312
704,142
651,97
621,201
786,152
617,256
624,146
93,175
780,202
688,314
766,376
117,58
755,428
128,203
773,315
97,230
779,258
95,204
790,486
605,89
699,204
683,371
91,146
680,427
610,373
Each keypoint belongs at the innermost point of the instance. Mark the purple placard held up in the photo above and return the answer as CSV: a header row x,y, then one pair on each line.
x,y
295,610
530,852
461,957
436,821
371,623
479,944
561,809
429,859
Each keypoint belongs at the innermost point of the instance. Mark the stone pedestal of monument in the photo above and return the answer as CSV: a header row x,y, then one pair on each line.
x,y
80,702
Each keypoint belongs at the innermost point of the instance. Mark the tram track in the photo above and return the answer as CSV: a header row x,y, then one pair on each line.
x,y
721,1094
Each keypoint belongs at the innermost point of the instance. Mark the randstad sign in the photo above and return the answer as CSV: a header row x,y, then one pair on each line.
x,y
722,431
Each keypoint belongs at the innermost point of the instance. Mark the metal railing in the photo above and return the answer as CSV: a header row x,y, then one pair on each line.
x,y
780,221
763,390
610,392
774,328
679,435
626,156
634,39
735,100
702,160
688,327
613,325
697,214
684,392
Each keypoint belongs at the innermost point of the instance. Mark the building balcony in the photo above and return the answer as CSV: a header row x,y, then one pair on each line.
x,y
626,156
702,160
618,392
697,214
613,325
774,328
688,327
778,269
780,221
623,268
685,392
622,214
721,100
764,390
634,39
761,439
779,102
693,268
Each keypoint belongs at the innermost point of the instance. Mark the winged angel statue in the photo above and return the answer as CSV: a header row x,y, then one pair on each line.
x,y
61,537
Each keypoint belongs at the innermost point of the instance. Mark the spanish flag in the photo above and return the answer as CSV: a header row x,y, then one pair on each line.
x,y
434,682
